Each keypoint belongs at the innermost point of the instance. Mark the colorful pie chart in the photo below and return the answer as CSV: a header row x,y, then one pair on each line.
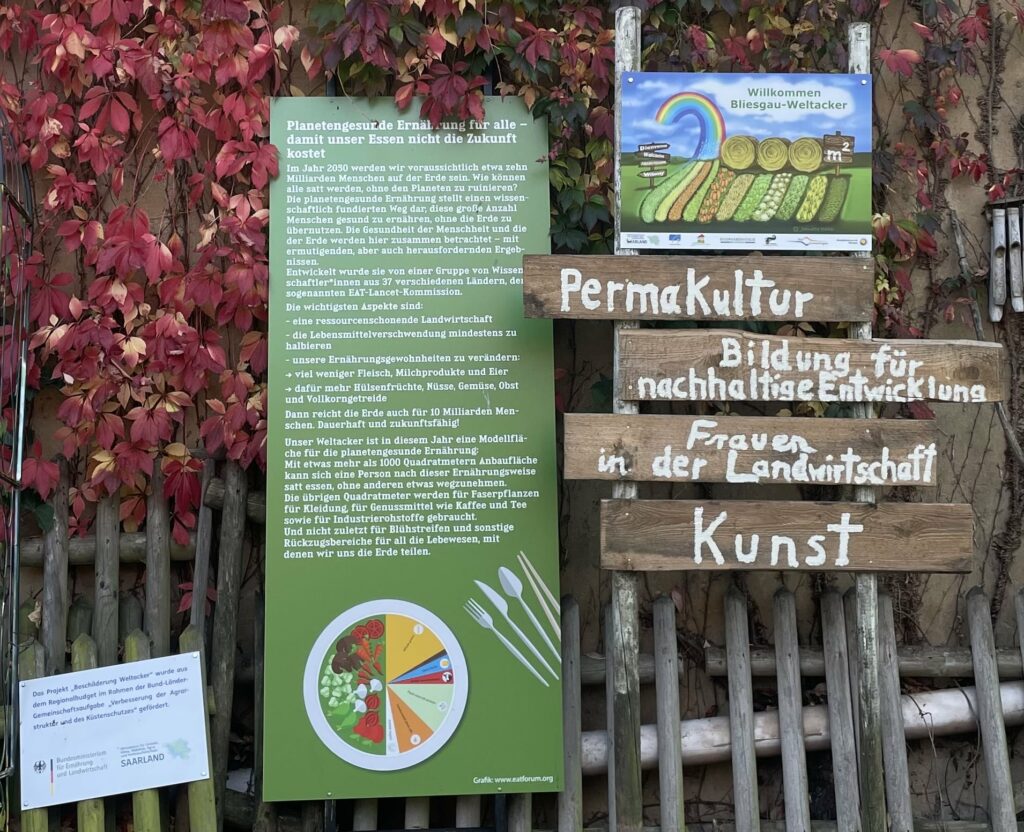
x,y
385,685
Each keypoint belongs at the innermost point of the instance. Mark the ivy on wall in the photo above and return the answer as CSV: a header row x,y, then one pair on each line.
x,y
145,127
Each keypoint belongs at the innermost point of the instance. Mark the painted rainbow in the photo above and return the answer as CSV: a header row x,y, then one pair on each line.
x,y
709,118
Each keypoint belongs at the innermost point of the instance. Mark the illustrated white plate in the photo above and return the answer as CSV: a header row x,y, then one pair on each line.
x,y
385,685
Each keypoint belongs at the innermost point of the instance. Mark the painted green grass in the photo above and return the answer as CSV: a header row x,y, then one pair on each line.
x,y
858,203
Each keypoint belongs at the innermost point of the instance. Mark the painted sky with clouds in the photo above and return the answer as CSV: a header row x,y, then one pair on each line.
x,y
649,90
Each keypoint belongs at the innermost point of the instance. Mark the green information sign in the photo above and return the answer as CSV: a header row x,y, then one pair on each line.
x,y
412,643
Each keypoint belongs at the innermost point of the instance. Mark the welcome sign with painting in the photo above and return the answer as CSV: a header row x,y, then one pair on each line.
x,y
746,161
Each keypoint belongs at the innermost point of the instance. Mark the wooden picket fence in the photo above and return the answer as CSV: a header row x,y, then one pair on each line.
x,y
122,626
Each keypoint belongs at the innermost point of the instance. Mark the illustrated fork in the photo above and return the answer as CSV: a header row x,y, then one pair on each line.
x,y
483,618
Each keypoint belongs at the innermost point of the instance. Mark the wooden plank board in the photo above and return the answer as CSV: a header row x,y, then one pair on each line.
x,y
740,449
730,365
683,287
650,535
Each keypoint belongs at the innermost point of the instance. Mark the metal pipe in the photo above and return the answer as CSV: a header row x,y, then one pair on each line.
x,y
704,741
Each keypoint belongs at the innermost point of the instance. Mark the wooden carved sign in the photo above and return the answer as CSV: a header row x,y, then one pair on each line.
x,y
708,535
750,450
838,150
686,288
725,365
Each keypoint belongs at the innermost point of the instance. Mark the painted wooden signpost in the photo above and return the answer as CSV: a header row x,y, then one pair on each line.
x,y
733,365
722,365
676,535
692,288
754,450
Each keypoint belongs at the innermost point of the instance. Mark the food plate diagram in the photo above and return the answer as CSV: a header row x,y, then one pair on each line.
x,y
385,685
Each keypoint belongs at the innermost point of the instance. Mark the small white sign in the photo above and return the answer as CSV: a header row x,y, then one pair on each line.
x,y
112,730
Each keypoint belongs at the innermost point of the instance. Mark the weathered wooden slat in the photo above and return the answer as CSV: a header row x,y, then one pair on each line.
x,y
1001,810
467,811
853,656
108,562
201,570
1018,604
647,535
791,727
520,812
870,764
225,624
698,288
255,501
731,365
894,746
129,615
364,815
157,617
840,712
266,813
32,665
741,713
145,802
82,550
90,812
937,662
670,761
202,809
313,816
570,799
417,813
79,618
741,449
54,628
608,629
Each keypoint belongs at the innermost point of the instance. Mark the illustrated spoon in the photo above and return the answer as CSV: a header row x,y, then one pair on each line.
x,y
514,589
501,605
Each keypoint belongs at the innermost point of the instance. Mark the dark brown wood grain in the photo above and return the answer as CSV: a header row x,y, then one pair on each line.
x,y
661,364
619,447
840,288
651,535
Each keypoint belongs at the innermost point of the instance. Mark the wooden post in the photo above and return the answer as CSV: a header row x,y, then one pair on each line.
x,y
670,758
54,630
79,618
417,813
894,744
741,713
609,699
129,615
1001,811
158,566
467,810
90,812
628,812
225,625
145,802
202,808
364,815
791,720
313,816
266,813
872,785
520,813
201,569
570,800
108,562
840,712
32,665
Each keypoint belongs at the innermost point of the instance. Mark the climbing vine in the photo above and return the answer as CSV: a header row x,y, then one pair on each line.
x,y
145,125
